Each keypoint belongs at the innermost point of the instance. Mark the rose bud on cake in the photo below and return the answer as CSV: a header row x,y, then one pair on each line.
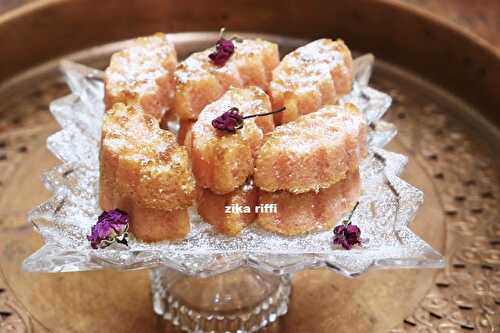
x,y
205,76
223,160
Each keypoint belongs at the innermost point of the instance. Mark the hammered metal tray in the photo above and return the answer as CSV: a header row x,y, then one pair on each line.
x,y
452,161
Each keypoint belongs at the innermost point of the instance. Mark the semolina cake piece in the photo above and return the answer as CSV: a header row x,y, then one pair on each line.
x,y
222,161
144,172
212,208
200,82
143,73
154,225
313,152
142,162
310,77
297,214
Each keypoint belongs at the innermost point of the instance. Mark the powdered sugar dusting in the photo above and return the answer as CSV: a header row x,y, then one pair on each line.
x,y
306,68
137,69
386,207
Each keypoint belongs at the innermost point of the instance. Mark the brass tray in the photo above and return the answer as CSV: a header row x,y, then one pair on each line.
x,y
452,148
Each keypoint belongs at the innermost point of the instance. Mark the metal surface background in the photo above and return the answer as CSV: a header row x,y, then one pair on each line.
x,y
453,152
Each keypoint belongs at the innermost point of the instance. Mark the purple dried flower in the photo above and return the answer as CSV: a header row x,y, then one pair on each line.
x,y
224,49
229,121
339,230
352,234
111,227
347,236
232,120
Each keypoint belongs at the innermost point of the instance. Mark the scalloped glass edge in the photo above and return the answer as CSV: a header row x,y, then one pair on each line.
x,y
387,205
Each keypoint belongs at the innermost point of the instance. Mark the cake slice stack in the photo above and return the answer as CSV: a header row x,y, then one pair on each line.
x,y
145,173
224,162
309,168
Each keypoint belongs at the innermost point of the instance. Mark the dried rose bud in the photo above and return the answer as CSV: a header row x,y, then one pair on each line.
x,y
229,121
347,236
224,49
111,227
352,233
232,120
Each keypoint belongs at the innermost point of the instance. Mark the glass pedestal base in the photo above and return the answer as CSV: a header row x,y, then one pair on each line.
x,y
239,301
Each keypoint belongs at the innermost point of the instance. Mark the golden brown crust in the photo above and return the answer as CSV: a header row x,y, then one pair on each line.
x,y
199,82
211,208
313,152
143,162
143,169
222,161
143,74
154,225
297,214
310,77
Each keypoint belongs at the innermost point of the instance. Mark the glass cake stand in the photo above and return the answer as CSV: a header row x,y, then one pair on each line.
x,y
242,300
210,282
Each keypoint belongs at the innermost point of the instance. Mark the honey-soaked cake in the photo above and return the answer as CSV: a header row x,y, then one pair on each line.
x,y
228,213
142,166
313,152
143,162
310,77
200,81
143,73
300,213
154,225
222,161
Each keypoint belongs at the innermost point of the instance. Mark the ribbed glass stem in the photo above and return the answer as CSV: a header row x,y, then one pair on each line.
x,y
239,301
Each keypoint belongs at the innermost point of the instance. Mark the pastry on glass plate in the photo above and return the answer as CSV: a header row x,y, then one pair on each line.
x,y
229,213
200,81
222,161
313,152
228,151
154,225
143,73
146,173
310,77
297,214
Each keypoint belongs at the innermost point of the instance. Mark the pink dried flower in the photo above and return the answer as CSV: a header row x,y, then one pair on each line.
x,y
229,121
232,119
347,236
224,49
111,227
